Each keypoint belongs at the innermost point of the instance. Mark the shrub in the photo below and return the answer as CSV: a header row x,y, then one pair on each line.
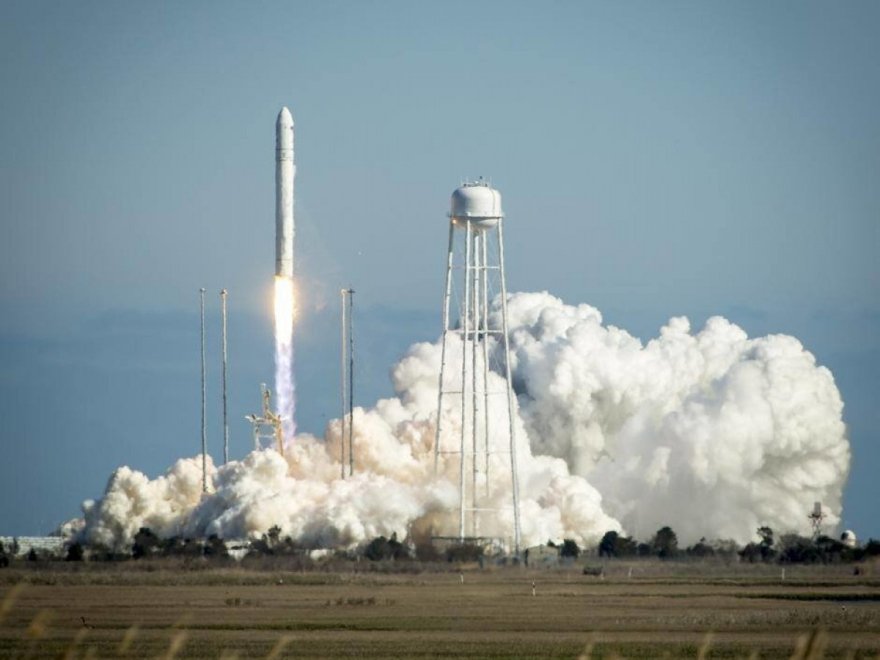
x,y
701,549
427,551
464,552
798,550
615,545
178,547
75,552
215,548
665,543
751,553
381,548
570,549
146,543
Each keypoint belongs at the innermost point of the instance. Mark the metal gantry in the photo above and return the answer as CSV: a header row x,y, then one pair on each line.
x,y
267,424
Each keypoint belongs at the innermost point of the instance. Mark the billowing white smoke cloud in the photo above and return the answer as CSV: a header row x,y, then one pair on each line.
x,y
711,433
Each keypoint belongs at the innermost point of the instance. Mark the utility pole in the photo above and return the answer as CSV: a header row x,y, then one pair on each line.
x,y
350,385
204,401
343,373
223,378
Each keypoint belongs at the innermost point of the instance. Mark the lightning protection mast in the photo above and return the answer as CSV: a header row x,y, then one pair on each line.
x,y
476,220
204,398
223,376
346,382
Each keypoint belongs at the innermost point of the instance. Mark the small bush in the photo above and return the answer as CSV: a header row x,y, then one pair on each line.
x,y
615,545
380,549
570,549
700,550
75,552
665,543
464,552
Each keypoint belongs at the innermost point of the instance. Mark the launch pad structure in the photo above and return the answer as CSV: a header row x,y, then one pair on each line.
x,y
267,425
476,217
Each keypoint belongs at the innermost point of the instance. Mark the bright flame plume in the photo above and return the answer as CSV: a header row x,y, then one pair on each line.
x,y
285,388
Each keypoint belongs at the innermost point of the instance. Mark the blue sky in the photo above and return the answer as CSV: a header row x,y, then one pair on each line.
x,y
656,159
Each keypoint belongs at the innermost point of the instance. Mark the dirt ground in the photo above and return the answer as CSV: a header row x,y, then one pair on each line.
x,y
646,612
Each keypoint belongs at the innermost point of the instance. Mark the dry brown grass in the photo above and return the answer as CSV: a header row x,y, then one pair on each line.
x,y
235,613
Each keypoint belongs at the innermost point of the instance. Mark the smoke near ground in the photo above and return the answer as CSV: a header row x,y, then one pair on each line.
x,y
708,431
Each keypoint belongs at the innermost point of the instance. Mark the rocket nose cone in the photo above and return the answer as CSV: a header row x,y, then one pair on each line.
x,y
284,117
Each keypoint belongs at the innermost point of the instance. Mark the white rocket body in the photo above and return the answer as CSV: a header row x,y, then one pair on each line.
x,y
284,173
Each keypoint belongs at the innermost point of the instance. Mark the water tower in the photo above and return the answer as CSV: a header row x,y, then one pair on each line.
x,y
476,225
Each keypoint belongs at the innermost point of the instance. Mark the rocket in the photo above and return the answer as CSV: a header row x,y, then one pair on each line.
x,y
284,173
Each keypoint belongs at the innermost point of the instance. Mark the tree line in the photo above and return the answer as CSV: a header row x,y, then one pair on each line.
x,y
787,549
663,544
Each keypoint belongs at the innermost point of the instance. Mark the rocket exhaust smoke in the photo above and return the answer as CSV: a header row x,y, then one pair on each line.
x,y
285,171
711,432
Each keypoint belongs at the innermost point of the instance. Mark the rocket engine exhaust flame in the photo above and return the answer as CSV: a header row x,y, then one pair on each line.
x,y
285,388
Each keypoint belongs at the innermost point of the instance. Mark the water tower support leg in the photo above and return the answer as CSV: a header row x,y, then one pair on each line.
x,y
475,305
485,321
510,398
465,331
446,296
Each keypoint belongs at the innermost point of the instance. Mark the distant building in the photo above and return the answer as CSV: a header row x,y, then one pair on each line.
x,y
237,548
542,556
42,545
490,545
848,538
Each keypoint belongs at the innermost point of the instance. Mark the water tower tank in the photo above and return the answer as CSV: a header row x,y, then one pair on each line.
x,y
477,203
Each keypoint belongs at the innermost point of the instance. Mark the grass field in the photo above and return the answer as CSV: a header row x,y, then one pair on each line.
x,y
673,610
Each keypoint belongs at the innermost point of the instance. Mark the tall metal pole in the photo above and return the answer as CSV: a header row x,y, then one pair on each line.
x,y
510,410
342,378
204,398
464,342
446,297
347,378
223,378
350,384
